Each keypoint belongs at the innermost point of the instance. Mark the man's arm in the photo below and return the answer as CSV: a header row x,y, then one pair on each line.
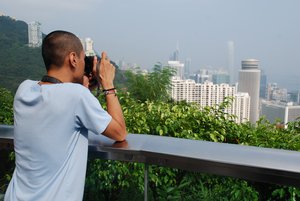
x,y
116,129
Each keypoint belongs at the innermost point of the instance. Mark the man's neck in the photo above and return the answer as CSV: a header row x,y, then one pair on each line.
x,y
61,74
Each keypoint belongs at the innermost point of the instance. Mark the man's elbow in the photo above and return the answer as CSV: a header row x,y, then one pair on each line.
x,y
121,135
117,133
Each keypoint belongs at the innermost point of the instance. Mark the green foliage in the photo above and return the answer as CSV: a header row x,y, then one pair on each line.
x,y
107,180
266,134
6,107
152,86
179,120
7,157
206,187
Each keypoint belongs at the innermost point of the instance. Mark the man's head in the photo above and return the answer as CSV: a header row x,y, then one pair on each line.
x,y
62,50
57,45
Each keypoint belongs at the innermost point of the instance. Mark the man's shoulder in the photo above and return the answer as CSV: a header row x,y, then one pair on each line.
x,y
77,91
77,88
27,83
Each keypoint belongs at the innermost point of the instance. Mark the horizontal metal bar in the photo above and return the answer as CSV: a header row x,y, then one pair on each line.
x,y
246,162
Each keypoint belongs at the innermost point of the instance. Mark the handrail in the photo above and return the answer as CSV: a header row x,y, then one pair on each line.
x,y
245,162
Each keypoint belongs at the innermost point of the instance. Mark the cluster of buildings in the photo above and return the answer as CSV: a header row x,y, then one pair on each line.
x,y
280,105
245,95
252,96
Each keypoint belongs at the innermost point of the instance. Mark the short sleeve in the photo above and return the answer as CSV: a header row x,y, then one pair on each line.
x,y
90,114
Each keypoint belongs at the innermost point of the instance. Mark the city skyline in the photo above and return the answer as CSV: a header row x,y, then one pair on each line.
x,y
147,32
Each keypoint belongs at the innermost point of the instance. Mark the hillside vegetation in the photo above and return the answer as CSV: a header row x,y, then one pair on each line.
x,y
17,61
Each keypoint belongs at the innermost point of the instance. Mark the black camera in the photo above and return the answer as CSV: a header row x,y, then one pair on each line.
x,y
88,69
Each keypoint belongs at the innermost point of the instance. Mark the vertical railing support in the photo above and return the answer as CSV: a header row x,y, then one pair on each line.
x,y
146,169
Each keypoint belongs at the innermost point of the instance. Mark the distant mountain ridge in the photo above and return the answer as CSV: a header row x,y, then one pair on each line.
x,y
17,61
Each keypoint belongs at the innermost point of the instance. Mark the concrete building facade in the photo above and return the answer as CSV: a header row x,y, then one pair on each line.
x,y
280,111
209,94
88,46
34,34
249,82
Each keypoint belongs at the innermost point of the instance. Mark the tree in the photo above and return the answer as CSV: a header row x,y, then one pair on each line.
x,y
153,86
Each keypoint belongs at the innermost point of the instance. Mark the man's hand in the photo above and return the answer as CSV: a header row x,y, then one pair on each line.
x,y
90,82
85,81
105,74
104,71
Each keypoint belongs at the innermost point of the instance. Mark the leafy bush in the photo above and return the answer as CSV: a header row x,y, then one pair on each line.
x,y
6,107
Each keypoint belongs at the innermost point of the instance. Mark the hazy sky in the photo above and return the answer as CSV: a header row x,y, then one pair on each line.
x,y
146,32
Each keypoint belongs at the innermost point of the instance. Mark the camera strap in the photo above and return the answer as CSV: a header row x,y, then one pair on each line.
x,y
47,78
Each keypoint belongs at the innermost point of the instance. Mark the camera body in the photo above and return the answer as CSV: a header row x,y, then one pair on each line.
x,y
88,68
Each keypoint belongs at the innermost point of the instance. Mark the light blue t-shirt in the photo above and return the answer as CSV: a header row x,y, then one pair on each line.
x,y
51,140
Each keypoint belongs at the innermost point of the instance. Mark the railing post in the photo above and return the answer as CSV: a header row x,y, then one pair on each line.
x,y
146,168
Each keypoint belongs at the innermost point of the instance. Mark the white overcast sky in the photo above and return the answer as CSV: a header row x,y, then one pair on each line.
x,y
146,32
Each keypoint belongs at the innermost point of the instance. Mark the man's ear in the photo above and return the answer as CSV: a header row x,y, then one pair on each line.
x,y
73,59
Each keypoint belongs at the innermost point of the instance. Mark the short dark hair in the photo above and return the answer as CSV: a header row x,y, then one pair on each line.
x,y
57,45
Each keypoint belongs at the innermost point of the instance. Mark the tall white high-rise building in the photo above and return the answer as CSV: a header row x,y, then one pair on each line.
x,y
34,34
249,82
241,107
88,46
209,94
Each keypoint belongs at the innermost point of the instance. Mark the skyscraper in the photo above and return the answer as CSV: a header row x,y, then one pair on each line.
x,y
34,34
89,47
249,81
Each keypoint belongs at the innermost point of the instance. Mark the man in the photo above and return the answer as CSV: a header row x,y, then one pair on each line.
x,y
52,119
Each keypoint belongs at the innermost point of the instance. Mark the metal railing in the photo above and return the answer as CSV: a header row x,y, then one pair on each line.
x,y
245,162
